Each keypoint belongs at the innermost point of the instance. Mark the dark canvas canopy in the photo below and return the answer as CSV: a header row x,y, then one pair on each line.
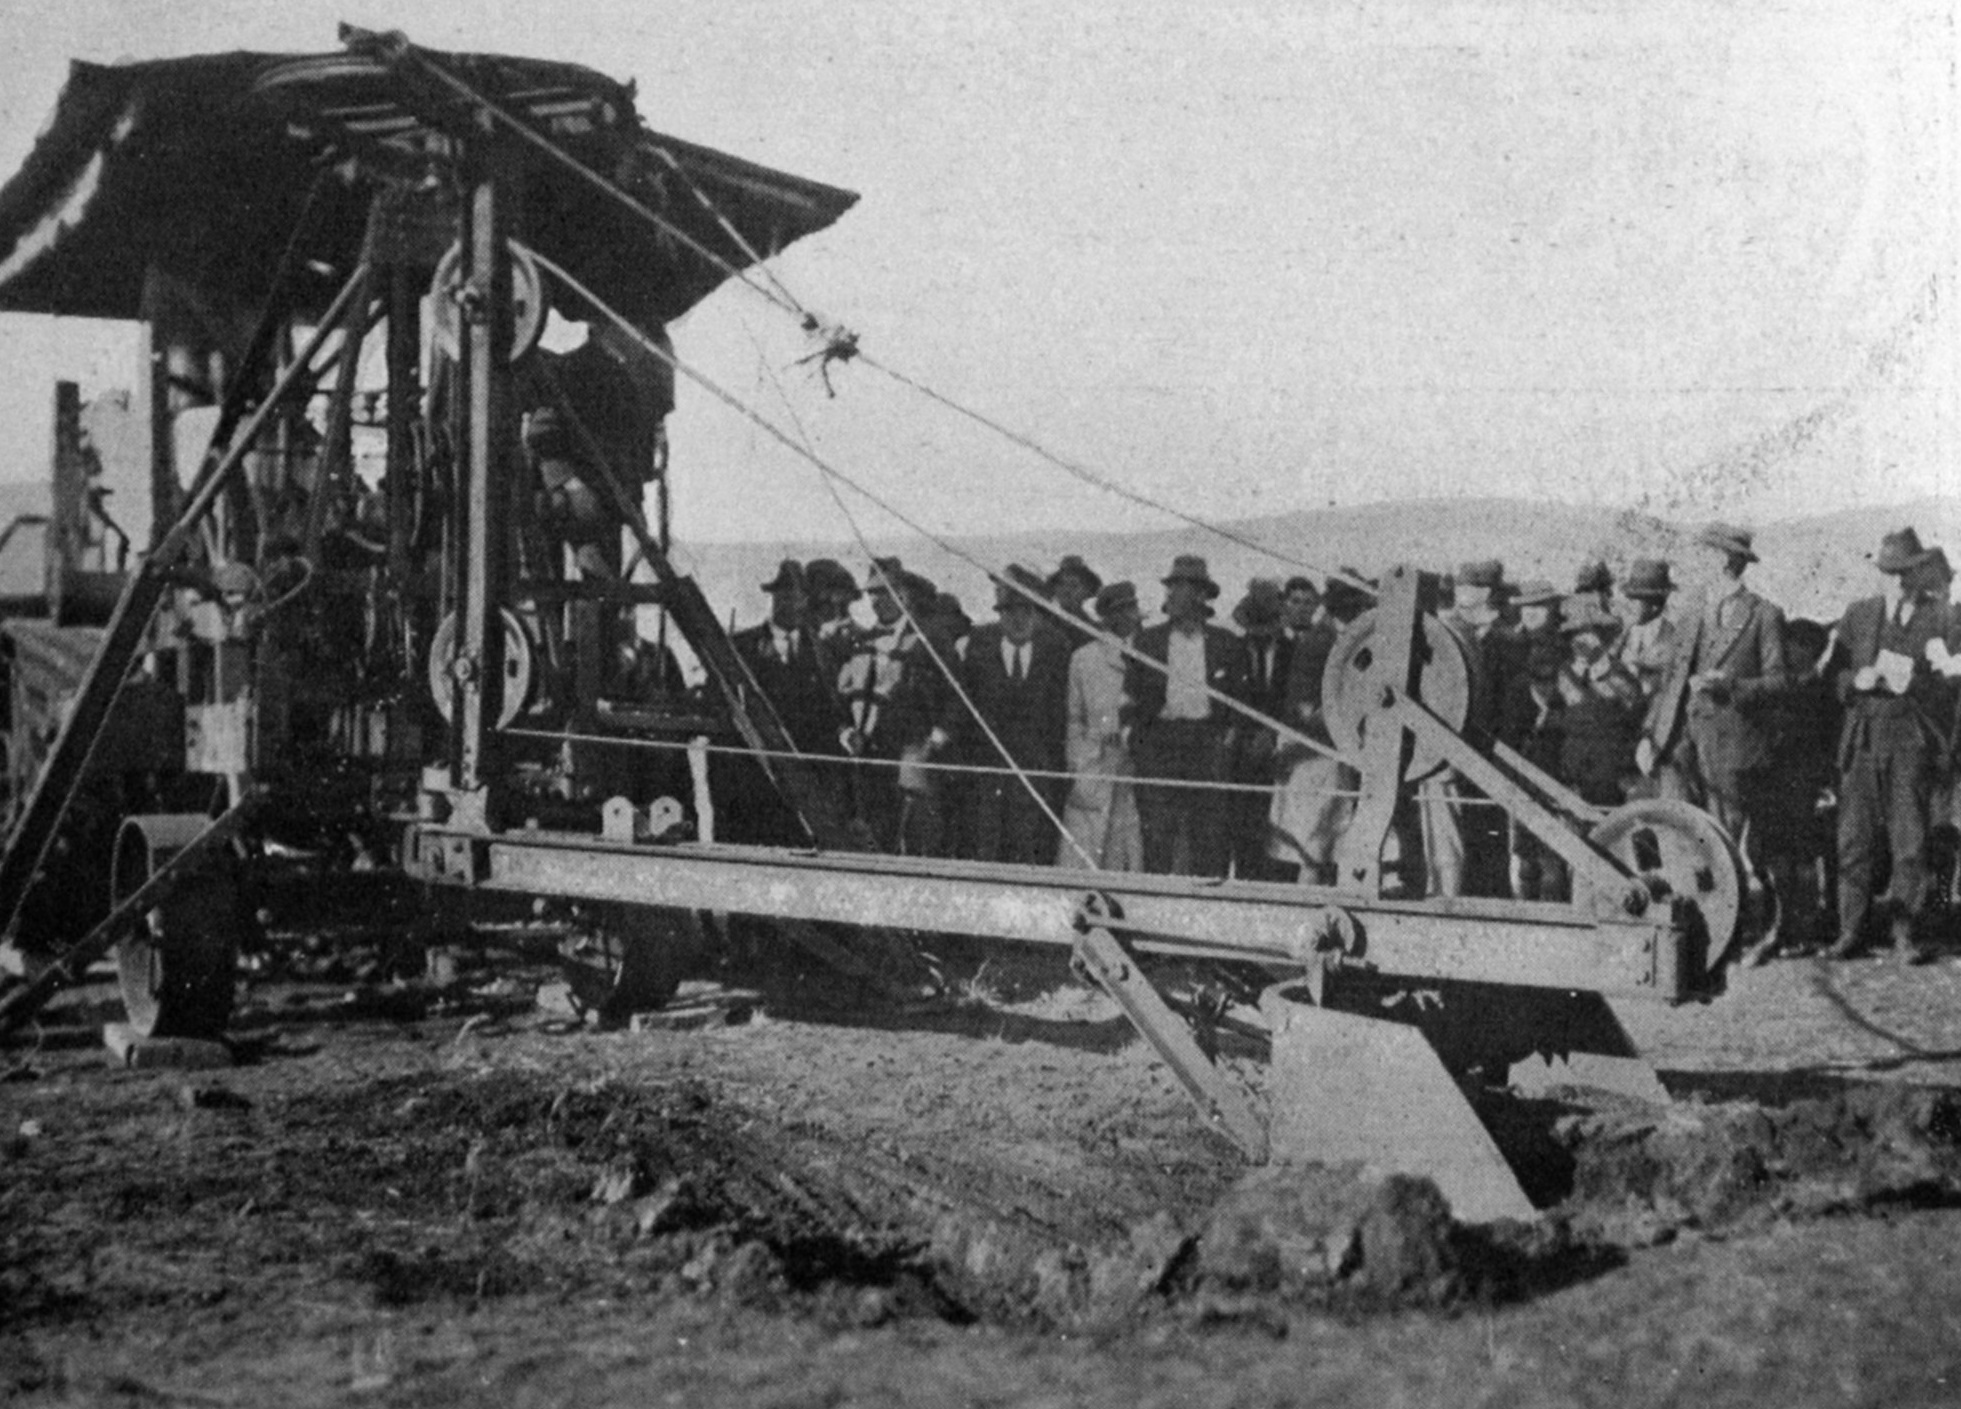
x,y
203,167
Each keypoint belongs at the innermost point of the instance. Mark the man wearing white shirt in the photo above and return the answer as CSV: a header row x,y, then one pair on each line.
x,y
1182,727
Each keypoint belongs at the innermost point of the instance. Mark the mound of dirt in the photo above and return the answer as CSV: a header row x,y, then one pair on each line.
x,y
1317,1232
1640,1173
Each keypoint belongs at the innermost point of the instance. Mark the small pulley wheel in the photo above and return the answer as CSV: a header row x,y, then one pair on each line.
x,y
448,293
1448,680
630,959
178,967
1680,851
520,667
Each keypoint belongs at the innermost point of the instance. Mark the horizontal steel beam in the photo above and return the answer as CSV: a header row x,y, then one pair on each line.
x,y
1535,944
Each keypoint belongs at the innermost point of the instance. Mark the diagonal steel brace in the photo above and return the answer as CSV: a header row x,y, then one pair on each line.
x,y
1225,1106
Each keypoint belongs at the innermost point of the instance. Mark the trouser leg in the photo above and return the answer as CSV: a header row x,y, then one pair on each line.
x,y
1858,836
1907,795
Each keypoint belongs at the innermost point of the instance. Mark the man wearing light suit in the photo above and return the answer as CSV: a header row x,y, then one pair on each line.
x,y
1707,733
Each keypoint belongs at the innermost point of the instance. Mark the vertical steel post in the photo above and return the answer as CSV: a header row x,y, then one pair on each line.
x,y
487,442
404,407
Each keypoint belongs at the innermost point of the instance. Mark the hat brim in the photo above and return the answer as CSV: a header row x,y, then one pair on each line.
x,y
1894,563
1730,546
1205,584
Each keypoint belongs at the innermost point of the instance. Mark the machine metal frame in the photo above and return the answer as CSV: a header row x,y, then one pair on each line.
x,y
1655,893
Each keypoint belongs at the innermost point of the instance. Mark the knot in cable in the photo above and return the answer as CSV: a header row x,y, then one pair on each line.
x,y
836,343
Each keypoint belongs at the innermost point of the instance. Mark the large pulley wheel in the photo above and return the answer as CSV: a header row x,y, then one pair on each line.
x,y
1683,853
178,968
631,959
520,667
450,297
1448,681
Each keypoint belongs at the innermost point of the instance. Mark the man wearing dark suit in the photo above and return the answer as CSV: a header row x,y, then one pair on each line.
x,y
783,657
782,654
1016,676
1267,653
1181,729
1896,708
1707,729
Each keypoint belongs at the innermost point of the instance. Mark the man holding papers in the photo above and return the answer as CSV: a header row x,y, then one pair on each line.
x,y
1895,685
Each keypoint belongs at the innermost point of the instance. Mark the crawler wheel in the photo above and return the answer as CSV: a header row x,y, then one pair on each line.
x,y
1351,685
178,968
1682,852
630,959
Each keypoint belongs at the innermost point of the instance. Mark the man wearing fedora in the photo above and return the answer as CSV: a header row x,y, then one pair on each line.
x,y
1706,736
894,693
1181,726
1101,812
1647,644
1071,586
1463,836
1897,707
783,659
830,590
1016,678
782,656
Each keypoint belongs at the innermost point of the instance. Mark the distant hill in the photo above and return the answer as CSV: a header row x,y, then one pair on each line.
x,y
1811,566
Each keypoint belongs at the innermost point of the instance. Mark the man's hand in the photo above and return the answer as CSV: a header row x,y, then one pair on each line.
x,y
1865,678
1712,684
1644,757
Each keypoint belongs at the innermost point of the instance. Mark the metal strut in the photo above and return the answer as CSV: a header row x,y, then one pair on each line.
x,y
1225,1106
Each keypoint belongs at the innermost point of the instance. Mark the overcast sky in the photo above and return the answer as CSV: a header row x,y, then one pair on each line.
x,y
1256,257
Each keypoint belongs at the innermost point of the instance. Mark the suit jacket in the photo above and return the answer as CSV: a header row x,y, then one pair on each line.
x,y
801,689
1268,696
1747,650
1501,653
1225,671
1927,705
1029,716
893,692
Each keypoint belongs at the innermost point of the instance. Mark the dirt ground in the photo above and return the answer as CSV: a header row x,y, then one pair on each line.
x,y
432,1189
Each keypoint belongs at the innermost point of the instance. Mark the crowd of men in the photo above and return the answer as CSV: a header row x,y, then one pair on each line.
x,y
1067,731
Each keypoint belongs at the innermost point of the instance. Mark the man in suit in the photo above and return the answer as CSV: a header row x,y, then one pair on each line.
x,y
894,693
1896,708
1101,812
1302,602
1648,643
1181,728
1464,837
1315,796
782,655
1706,733
1016,678
1267,654
783,659
1070,587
